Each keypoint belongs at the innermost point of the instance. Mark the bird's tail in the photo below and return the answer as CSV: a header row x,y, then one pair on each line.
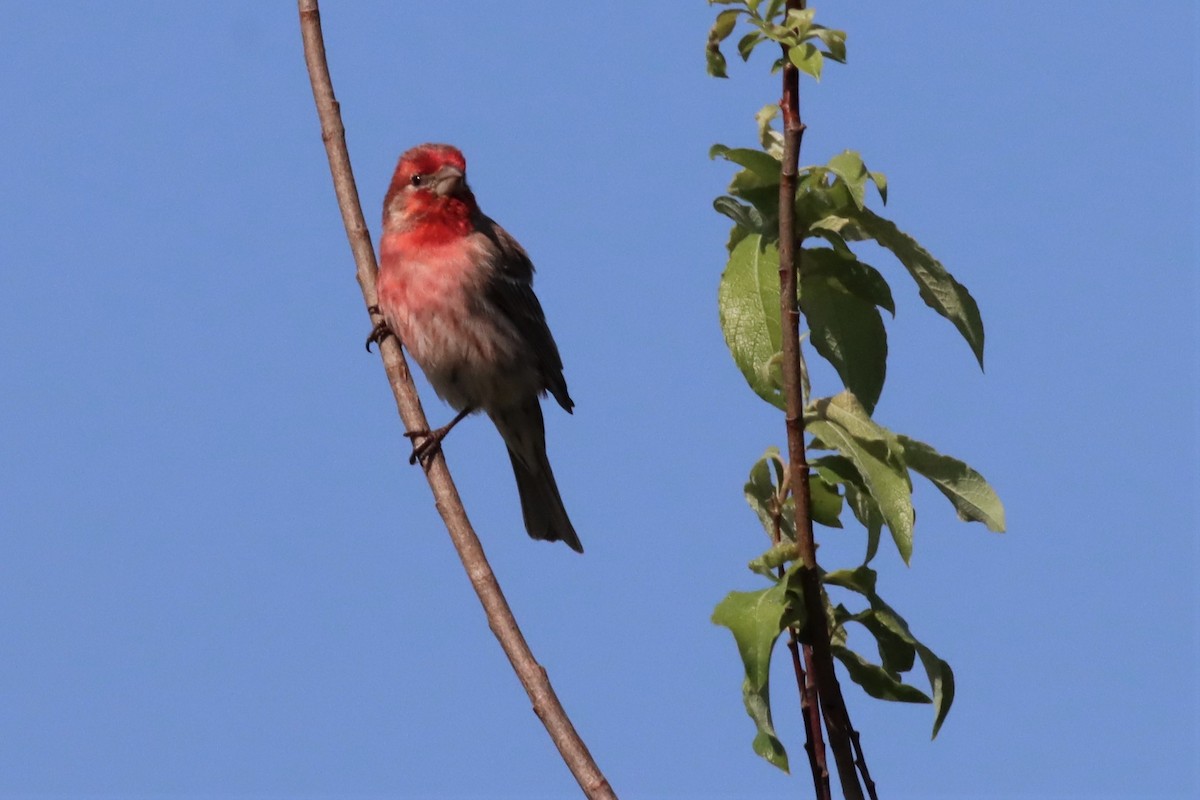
x,y
542,506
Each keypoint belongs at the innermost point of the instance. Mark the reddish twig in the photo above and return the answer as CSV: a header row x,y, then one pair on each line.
x,y
860,761
810,710
500,617
821,671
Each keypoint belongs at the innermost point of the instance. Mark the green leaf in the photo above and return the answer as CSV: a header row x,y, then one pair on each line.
x,y
835,469
746,217
829,229
860,579
840,423
799,20
938,672
848,333
736,234
833,39
826,505
896,654
972,497
880,181
757,182
762,493
774,558
866,511
770,139
756,619
807,58
941,678
766,167
781,34
748,299
763,198
875,680
887,487
860,279
723,26
845,409
822,202
747,43
837,631
848,166
715,62
939,289
837,231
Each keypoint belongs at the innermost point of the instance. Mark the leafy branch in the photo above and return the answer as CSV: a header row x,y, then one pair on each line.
x,y
790,256
532,675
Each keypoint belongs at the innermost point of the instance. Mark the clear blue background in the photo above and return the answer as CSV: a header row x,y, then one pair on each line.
x,y
219,577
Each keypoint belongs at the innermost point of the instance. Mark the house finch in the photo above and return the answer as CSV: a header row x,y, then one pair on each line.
x,y
457,289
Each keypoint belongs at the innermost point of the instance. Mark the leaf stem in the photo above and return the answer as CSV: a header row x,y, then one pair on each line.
x,y
499,615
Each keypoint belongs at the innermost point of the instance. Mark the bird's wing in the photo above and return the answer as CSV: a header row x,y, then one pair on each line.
x,y
511,291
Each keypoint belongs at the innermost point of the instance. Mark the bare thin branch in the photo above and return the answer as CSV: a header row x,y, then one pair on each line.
x,y
861,761
500,617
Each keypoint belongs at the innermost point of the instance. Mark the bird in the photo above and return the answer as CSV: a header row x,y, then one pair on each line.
x,y
457,290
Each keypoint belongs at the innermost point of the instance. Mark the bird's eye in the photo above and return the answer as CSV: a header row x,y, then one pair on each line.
x,y
416,180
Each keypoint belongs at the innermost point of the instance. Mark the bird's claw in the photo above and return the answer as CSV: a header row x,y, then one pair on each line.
x,y
380,332
432,440
429,446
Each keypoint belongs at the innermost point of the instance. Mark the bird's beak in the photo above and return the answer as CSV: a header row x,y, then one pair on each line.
x,y
449,181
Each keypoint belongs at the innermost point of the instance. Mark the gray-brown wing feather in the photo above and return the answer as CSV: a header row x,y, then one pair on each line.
x,y
511,291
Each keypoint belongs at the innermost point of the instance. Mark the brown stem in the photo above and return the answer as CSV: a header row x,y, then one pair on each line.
x,y
814,744
861,761
810,710
822,671
813,707
500,617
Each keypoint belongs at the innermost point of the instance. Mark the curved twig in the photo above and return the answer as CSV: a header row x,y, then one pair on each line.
x,y
500,617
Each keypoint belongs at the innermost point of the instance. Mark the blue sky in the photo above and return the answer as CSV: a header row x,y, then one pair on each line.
x,y
219,577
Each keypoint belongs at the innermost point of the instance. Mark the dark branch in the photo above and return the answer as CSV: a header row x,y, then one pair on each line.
x,y
861,762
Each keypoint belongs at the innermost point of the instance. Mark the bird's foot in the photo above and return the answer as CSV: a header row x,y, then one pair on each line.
x,y
429,446
380,332
431,441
